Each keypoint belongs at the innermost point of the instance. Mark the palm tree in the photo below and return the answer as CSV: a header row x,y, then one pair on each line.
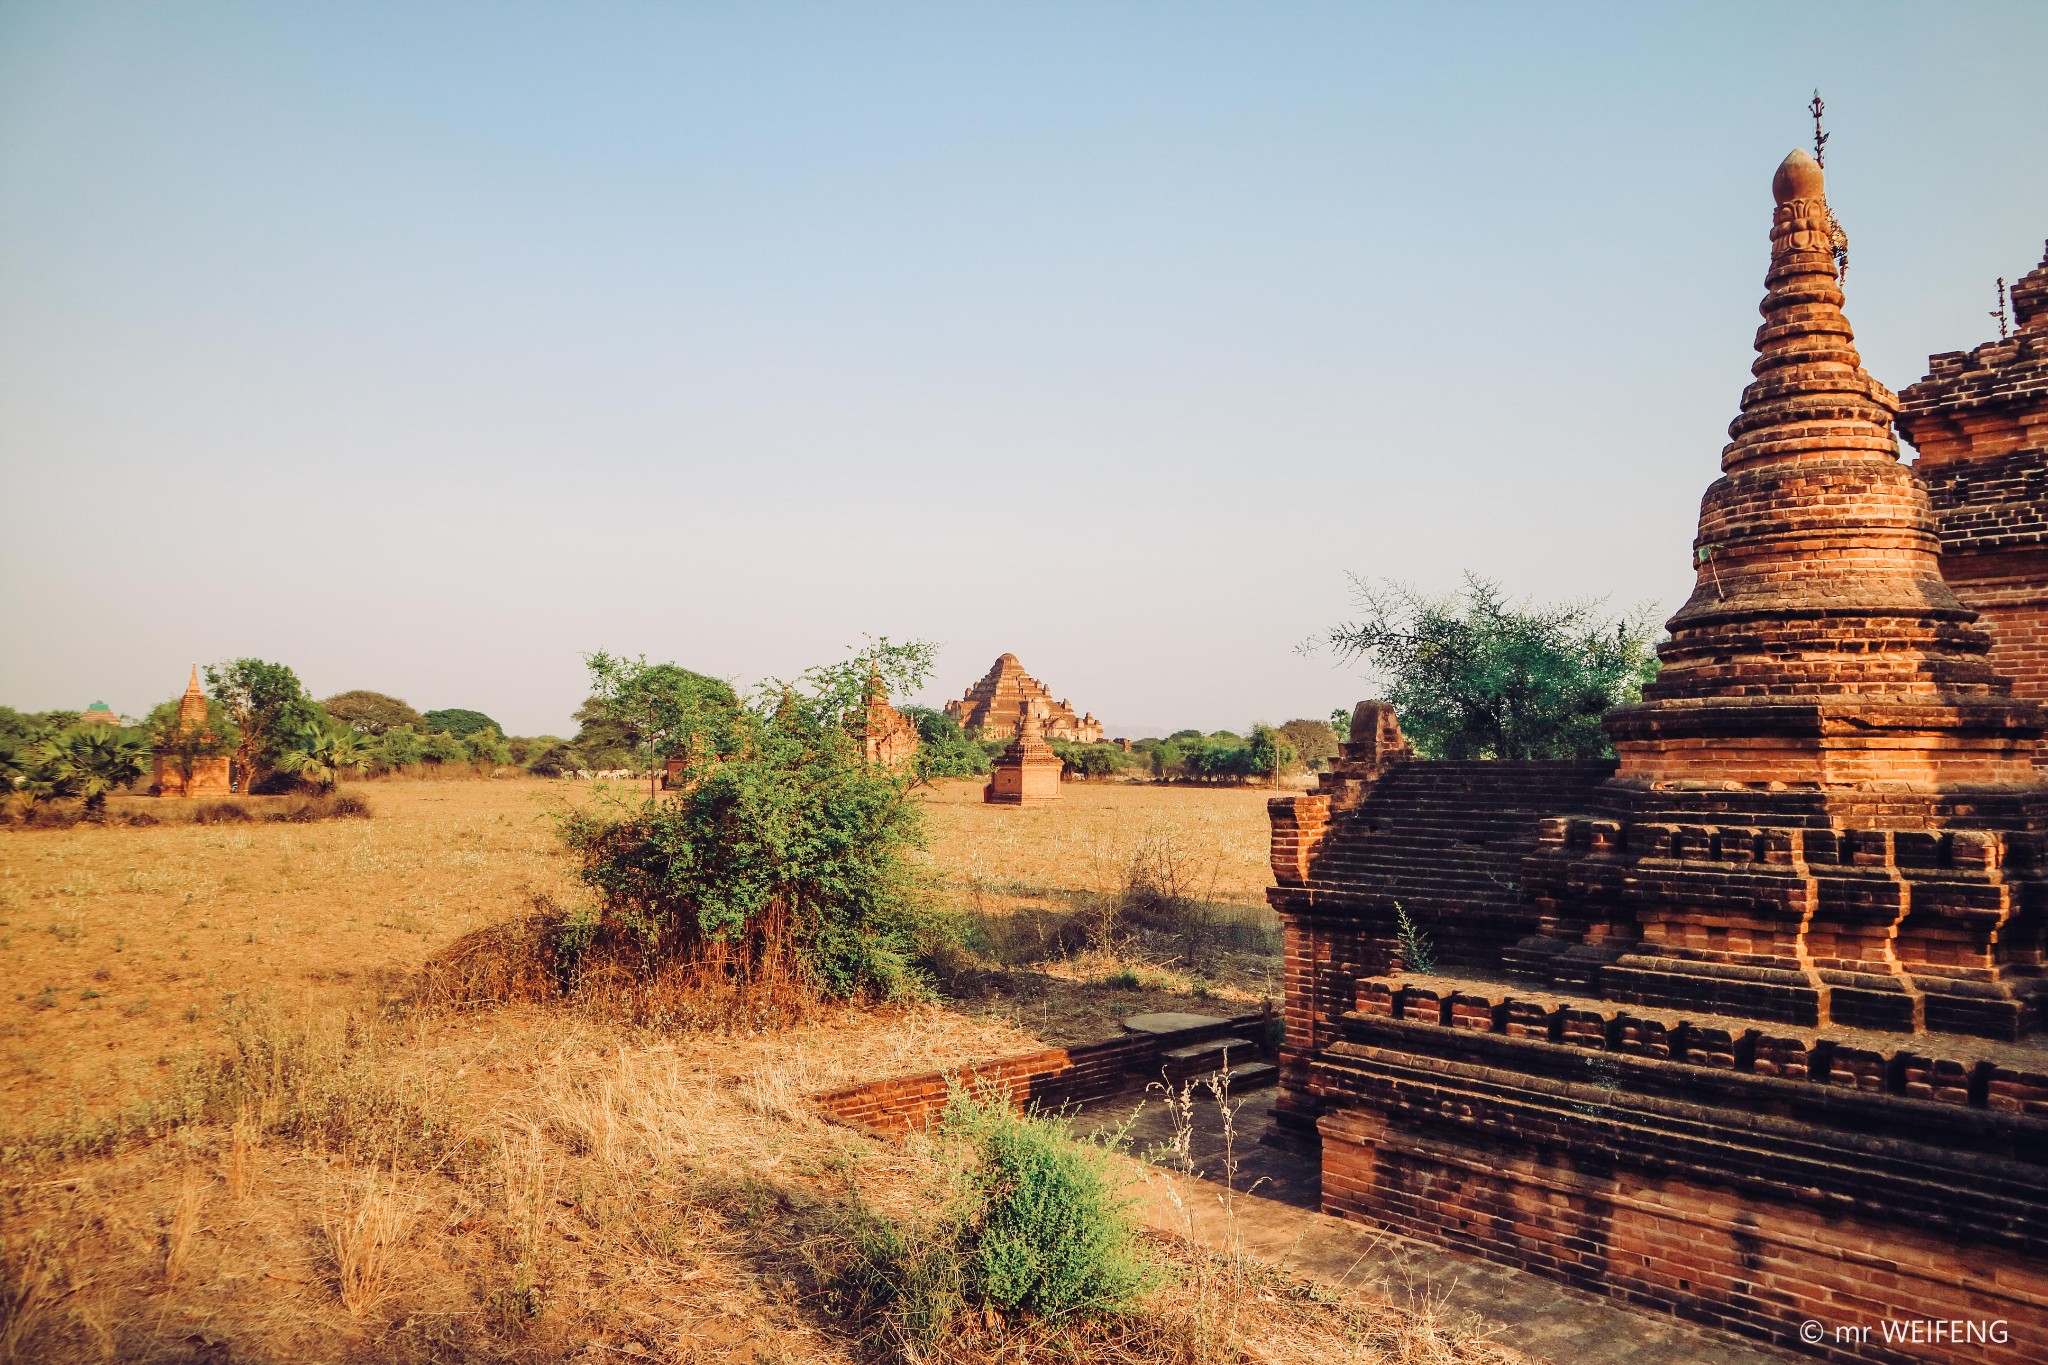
x,y
321,754
90,761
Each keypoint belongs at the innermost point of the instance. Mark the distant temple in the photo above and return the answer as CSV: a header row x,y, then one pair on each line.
x,y
1980,422
1028,772
194,774
99,713
991,707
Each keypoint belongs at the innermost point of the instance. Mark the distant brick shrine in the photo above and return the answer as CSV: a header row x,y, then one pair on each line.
x,y
1745,1025
1028,772
1980,422
201,774
886,735
99,713
990,707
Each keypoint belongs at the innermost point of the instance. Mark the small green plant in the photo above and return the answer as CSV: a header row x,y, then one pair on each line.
x,y
1417,953
1035,1231
1045,1234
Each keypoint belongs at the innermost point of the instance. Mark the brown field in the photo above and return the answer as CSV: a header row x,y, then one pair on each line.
x,y
226,1140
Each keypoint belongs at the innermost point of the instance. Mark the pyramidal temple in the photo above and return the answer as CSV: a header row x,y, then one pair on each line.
x,y
991,707
1747,1024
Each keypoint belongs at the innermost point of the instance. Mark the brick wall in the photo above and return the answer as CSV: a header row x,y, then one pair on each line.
x,y
1050,1078
1749,1178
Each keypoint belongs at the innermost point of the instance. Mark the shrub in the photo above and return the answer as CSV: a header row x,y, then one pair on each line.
x,y
1092,760
943,748
1037,1231
779,864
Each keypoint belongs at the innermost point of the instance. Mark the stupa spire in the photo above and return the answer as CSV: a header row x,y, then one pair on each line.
x,y
1819,633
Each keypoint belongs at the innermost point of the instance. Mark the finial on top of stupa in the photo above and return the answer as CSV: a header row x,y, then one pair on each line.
x,y
193,686
1799,177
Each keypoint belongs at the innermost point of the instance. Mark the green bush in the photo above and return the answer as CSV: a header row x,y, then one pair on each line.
x,y
943,748
780,860
1093,760
1037,1231
1045,1234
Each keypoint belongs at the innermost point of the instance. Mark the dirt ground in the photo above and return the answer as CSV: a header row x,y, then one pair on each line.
x,y
222,1143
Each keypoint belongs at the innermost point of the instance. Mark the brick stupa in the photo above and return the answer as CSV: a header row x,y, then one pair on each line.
x,y
1028,772
1690,1029
1980,421
200,774
1810,817
990,708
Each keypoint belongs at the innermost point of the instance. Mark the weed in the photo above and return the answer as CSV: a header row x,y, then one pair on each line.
x,y
184,1223
365,1227
1418,954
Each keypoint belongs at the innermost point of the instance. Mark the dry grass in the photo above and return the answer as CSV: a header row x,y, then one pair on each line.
x,y
265,1161
365,1230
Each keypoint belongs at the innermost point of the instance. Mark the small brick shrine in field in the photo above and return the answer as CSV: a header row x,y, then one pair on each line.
x,y
990,707
886,735
1980,422
1028,772
205,774
1746,1024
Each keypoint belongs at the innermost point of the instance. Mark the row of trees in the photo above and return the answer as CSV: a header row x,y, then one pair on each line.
x,y
260,716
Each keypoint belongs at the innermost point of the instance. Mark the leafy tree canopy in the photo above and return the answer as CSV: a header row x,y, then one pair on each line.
x,y
943,748
373,713
1314,741
1474,675
267,706
459,722
22,728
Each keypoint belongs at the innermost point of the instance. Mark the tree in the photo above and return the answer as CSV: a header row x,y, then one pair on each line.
x,y
459,722
93,760
943,748
1314,741
321,752
1473,675
267,705
372,712
1340,723
1267,753
1092,760
781,858
487,750
659,708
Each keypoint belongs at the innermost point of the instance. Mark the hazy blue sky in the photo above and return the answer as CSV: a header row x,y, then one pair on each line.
x,y
426,347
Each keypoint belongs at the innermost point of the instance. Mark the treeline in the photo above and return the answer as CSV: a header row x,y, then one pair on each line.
x,y
259,717
1218,758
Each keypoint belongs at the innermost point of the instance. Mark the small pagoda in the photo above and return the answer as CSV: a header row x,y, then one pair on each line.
x,y
191,763
1028,772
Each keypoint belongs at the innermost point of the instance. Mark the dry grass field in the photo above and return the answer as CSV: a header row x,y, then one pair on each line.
x,y
227,1138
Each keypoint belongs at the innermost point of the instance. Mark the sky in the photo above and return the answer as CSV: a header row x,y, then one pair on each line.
x,y
428,348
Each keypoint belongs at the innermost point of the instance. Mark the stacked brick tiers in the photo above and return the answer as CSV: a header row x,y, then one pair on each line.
x,y
1980,421
1703,1051
1820,647
1028,772
990,707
